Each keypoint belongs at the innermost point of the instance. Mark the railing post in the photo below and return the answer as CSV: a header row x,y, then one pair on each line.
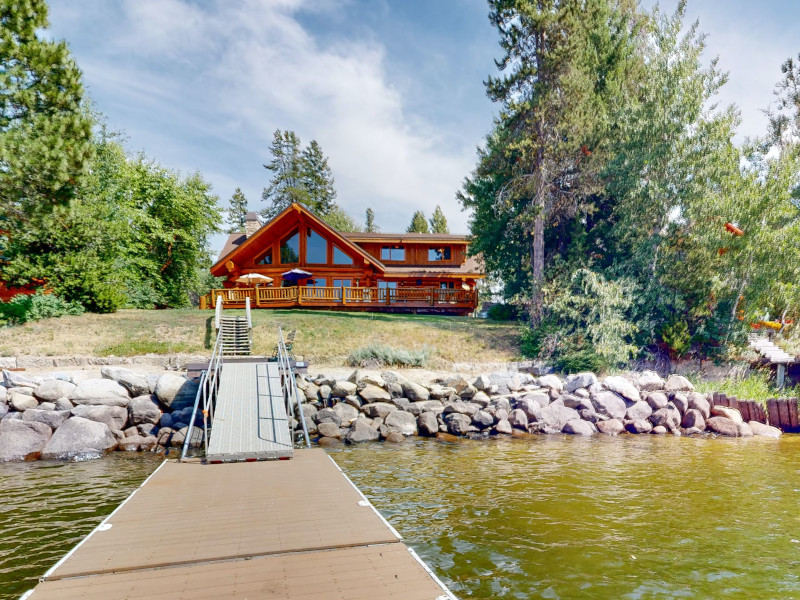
x,y
299,295
433,296
344,300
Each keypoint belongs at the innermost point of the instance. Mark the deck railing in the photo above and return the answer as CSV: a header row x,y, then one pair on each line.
x,y
357,296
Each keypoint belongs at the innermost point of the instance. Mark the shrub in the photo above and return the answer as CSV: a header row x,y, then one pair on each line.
x,y
503,312
376,355
25,308
676,338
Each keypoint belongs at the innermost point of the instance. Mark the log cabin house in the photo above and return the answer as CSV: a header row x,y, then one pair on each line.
x,y
386,272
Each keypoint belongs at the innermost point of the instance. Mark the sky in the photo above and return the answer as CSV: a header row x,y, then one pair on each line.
x,y
392,90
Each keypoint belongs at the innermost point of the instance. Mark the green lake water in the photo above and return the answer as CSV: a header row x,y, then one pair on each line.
x,y
541,517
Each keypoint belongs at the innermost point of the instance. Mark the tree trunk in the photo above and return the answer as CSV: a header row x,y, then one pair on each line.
x,y
537,261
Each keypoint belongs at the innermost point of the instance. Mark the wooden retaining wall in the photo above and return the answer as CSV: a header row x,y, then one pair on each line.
x,y
780,412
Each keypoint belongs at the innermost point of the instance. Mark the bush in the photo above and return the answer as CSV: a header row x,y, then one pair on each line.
x,y
25,308
503,312
376,355
676,338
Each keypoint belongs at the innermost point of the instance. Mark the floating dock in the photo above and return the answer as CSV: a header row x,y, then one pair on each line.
x,y
289,529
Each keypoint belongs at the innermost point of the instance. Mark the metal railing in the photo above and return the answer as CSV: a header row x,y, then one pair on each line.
x,y
207,390
290,389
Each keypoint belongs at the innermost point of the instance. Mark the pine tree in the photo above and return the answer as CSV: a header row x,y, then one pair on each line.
x,y
438,221
418,223
317,180
236,213
45,132
370,225
287,182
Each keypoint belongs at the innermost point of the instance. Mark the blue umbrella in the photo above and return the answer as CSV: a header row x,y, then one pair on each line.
x,y
296,275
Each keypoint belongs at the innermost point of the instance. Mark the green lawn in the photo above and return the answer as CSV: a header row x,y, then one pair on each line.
x,y
324,337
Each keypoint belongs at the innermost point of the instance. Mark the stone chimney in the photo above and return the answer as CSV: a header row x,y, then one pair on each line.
x,y
251,224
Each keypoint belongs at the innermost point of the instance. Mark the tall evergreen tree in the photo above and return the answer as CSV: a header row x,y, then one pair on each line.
x,y
236,212
418,223
317,179
287,183
370,224
45,133
439,221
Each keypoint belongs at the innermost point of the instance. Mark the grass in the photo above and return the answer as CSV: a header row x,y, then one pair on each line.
x,y
379,355
757,386
324,337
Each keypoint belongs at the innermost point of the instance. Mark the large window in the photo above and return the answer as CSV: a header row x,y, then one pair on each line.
x,y
266,259
318,282
439,253
316,248
393,253
290,249
340,258
392,285
447,285
342,283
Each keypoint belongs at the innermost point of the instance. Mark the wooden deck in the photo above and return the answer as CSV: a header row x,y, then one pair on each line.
x,y
269,530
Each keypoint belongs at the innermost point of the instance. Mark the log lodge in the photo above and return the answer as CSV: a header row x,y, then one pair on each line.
x,y
304,262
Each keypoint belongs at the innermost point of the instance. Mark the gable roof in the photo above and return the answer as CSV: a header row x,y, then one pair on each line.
x,y
402,238
234,244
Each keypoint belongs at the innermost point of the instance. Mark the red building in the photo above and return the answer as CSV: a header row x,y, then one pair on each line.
x,y
416,272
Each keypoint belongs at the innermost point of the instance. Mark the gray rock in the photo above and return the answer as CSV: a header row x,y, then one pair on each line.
x,y
331,430
668,416
414,391
457,423
623,387
353,401
518,419
394,437
327,415
588,414
430,406
555,415
131,431
22,440
99,392
610,427
175,391
677,383
744,430
136,384
504,404
531,408
649,381
680,401
427,424
693,418
143,409
762,430
609,404
22,402
401,422
114,417
311,392
581,380
47,406
482,420
51,418
458,383
699,402
659,430
552,382
577,402
656,400
378,409
362,431
341,389
727,412
63,404
541,398
346,412
482,383
79,437
372,393
578,427
481,399
3,409
504,427
638,410
131,443
723,426
402,403
51,390
465,408
639,426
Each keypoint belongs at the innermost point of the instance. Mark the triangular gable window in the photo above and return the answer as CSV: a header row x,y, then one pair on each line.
x,y
340,258
290,249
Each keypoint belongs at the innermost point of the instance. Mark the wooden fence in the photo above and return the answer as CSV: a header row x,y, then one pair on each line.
x,y
780,412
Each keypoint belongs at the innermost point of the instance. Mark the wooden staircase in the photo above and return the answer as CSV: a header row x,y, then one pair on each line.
x,y
235,336
768,350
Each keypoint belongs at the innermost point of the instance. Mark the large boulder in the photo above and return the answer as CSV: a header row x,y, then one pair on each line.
x,y
346,412
341,389
143,409
531,408
581,380
723,426
639,426
610,427
176,391
609,404
577,402
638,410
699,402
681,401
372,393
79,438
22,440
378,409
552,382
727,412
330,430
100,392
518,419
327,415
555,415
135,383
22,402
693,418
51,390
427,424
668,417
465,408
503,427
433,406
578,427
401,422
744,430
762,430
482,420
362,431
649,381
678,383
657,400
414,391
51,418
480,398
457,423
623,387
114,417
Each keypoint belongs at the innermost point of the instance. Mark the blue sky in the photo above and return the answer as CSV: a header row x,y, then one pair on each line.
x,y
392,91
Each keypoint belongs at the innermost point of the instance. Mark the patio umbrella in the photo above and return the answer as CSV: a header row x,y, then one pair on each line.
x,y
254,278
296,275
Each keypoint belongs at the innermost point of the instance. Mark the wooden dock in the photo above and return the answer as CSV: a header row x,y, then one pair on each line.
x,y
277,530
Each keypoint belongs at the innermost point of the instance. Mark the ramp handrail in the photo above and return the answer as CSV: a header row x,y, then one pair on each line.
x,y
290,387
218,313
207,390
